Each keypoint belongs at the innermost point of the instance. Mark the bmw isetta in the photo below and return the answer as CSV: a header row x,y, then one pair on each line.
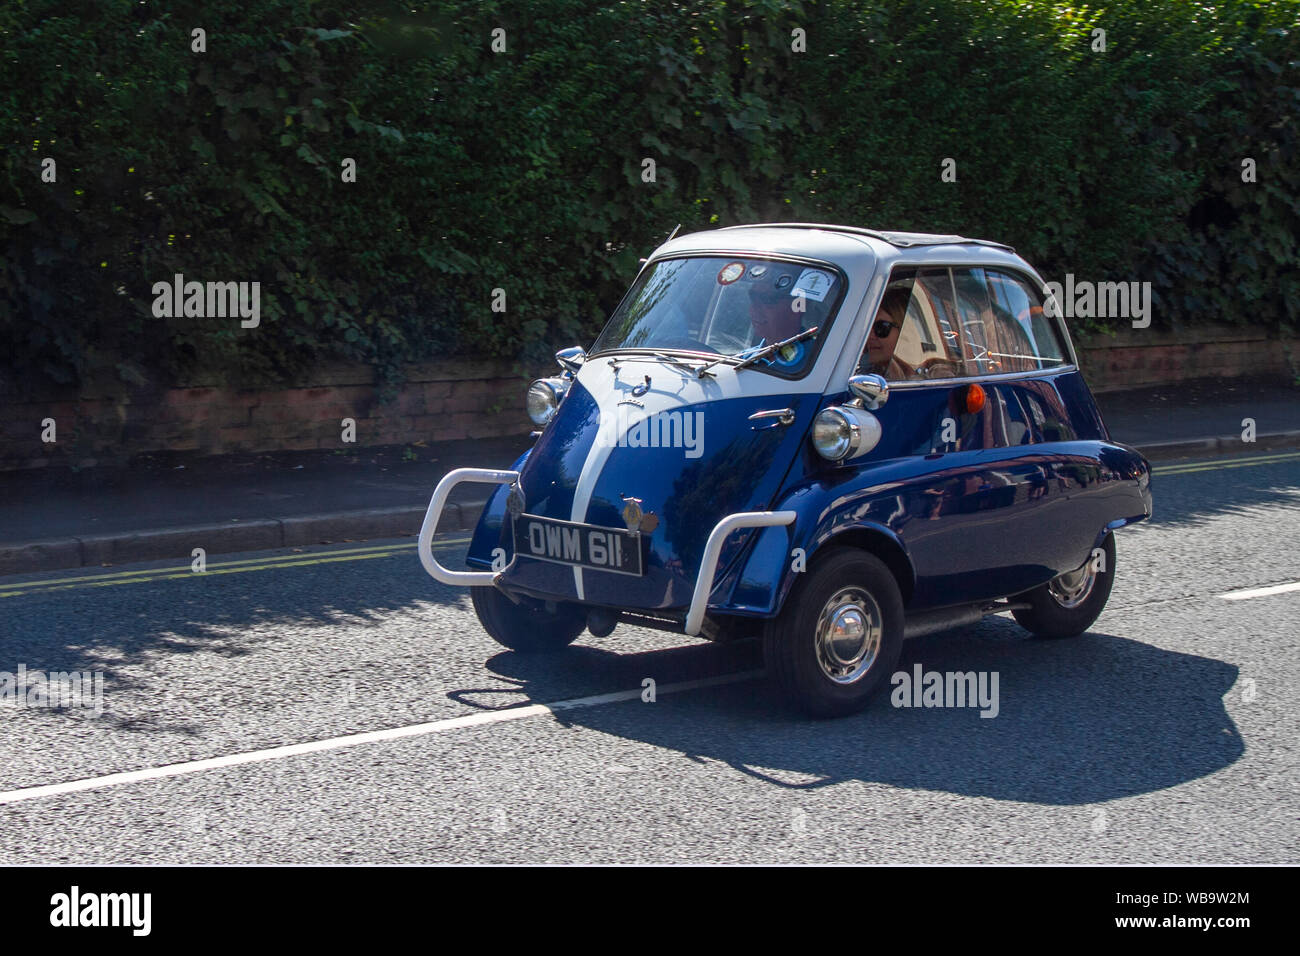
x,y
828,437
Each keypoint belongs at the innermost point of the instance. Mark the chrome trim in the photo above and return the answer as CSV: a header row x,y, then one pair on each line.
x,y
786,415
571,359
996,377
1072,588
855,432
559,386
713,549
424,547
848,635
872,390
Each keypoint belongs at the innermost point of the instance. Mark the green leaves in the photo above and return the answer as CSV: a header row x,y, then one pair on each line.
x,y
525,171
19,217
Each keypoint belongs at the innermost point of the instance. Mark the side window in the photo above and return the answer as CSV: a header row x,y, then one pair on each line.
x,y
913,335
1026,334
973,305
932,322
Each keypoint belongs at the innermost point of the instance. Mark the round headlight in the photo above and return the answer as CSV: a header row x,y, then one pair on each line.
x,y
845,431
543,399
832,433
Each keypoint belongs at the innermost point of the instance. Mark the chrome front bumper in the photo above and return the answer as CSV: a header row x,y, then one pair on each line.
x,y
703,581
434,512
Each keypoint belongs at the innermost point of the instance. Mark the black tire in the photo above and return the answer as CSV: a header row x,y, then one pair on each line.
x,y
1049,616
791,640
526,627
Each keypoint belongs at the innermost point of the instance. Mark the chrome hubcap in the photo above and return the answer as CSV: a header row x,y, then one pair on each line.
x,y
1072,588
848,635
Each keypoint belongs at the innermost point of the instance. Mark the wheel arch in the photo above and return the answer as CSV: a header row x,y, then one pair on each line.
x,y
762,584
879,542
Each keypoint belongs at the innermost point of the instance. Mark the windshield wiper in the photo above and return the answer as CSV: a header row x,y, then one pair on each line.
x,y
762,353
673,360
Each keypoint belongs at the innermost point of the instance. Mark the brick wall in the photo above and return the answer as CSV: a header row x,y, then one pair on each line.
x,y
439,401
456,400
1135,358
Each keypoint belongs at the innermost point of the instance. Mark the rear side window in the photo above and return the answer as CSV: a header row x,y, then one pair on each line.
x,y
1015,300
972,294
1003,325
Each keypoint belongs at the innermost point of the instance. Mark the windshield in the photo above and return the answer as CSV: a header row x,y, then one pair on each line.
x,y
727,306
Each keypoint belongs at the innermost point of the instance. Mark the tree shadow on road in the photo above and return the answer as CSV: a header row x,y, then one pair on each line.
x,y
159,637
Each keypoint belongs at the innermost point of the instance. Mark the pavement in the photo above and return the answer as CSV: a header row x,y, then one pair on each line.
x,y
158,506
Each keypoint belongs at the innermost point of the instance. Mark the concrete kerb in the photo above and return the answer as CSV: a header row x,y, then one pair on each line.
x,y
262,534
270,533
1213,447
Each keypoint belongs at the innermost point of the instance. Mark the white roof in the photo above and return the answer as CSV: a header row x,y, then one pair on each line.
x,y
854,249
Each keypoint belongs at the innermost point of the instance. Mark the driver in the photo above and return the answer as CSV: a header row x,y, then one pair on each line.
x,y
772,315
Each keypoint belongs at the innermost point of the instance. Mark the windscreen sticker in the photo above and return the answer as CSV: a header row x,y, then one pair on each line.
x,y
731,272
813,284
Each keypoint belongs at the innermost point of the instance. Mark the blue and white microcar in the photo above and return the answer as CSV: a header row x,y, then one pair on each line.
x,y
830,437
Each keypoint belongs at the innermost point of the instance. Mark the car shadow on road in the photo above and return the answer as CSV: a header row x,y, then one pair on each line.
x,y
1079,721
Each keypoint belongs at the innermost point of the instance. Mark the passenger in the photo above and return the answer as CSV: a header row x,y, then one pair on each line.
x,y
878,358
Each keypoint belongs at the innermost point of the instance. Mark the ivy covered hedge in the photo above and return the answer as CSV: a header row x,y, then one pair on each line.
x,y
524,169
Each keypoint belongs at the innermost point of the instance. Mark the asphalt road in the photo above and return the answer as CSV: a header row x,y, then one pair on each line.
x,y
1168,734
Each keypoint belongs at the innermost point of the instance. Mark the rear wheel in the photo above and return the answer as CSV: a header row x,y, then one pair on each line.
x,y
526,627
839,635
1068,604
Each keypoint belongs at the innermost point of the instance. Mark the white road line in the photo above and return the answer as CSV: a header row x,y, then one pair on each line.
x,y
1261,592
352,740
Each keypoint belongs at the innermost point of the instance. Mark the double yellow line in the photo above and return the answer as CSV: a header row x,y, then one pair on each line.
x,y
109,579
1195,466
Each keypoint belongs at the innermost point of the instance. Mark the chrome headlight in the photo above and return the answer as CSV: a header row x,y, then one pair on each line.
x,y
841,432
544,398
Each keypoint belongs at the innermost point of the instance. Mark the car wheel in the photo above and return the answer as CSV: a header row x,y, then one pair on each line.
x,y
837,639
1068,605
526,627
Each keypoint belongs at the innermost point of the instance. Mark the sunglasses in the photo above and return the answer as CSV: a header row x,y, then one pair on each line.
x,y
884,328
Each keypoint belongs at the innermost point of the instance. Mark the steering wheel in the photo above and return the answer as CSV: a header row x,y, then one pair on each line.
x,y
939,368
